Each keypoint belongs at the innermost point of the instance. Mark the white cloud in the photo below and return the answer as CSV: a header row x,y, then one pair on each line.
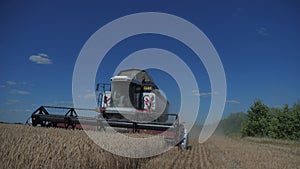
x,y
233,101
21,92
11,102
90,96
262,31
203,94
197,93
11,82
40,58
43,54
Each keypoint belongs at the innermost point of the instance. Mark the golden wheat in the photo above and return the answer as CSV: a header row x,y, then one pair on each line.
x,y
34,147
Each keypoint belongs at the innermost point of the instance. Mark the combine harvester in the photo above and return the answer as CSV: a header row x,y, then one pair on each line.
x,y
132,101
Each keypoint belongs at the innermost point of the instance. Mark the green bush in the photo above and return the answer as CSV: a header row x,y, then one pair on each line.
x,y
274,123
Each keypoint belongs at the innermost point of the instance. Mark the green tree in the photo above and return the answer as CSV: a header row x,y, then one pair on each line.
x,y
257,123
296,116
281,124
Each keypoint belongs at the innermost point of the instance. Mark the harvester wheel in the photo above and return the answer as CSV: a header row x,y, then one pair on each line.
x,y
73,126
34,123
53,125
67,124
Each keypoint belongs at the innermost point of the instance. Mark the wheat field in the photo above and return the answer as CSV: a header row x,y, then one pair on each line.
x,y
34,147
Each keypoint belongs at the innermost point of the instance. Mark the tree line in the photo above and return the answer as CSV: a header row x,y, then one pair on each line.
x,y
262,121
279,123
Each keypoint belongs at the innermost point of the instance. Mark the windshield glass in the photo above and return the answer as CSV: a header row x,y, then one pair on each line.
x,y
126,94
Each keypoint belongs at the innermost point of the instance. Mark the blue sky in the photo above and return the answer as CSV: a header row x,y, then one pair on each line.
x,y
257,41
